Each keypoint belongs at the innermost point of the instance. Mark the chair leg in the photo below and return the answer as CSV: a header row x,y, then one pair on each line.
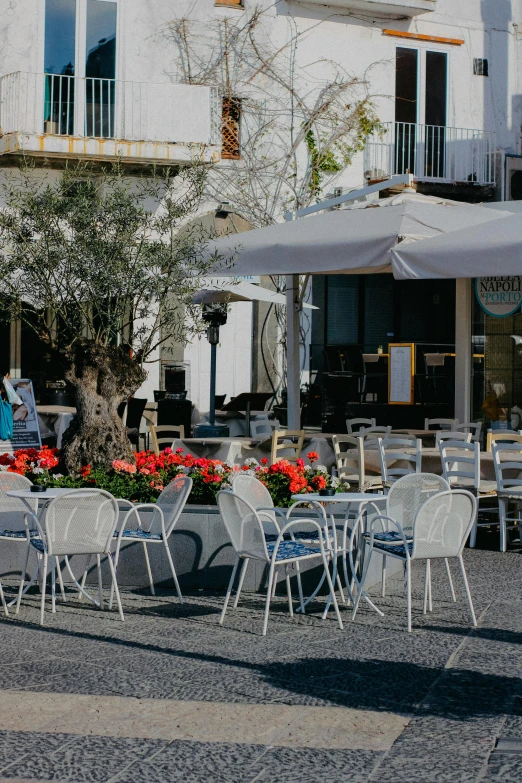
x,y
60,579
468,592
84,579
454,597
173,571
502,513
274,586
4,603
300,589
473,534
332,592
268,598
289,594
241,580
22,580
147,563
383,590
116,560
408,593
426,588
100,583
53,584
115,583
229,590
43,586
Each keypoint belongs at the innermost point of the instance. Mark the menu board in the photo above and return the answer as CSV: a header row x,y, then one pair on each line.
x,y
401,370
26,429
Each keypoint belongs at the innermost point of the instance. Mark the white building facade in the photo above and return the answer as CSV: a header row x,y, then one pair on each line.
x,y
101,80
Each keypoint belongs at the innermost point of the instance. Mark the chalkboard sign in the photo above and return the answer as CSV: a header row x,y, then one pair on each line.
x,y
401,373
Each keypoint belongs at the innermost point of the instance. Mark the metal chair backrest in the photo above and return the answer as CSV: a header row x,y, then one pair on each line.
x,y
263,428
442,435
135,408
243,526
508,436
372,434
80,522
349,458
295,445
254,492
395,450
507,459
460,463
441,424
443,524
164,435
13,510
474,428
172,501
409,493
354,425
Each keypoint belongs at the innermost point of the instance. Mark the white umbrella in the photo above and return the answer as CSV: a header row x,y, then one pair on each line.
x,y
356,240
491,249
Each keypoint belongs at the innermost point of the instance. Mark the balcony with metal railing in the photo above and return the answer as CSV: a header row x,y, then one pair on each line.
x,y
60,116
431,153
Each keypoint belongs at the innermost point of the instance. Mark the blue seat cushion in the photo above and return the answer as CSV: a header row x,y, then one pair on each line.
x,y
384,536
20,534
271,537
290,549
37,543
398,549
140,535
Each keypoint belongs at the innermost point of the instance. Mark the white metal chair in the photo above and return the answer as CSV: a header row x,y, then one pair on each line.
x,y
255,493
163,516
354,425
399,456
289,441
370,435
79,522
442,435
263,428
507,459
440,530
164,435
245,529
474,428
505,436
404,498
349,459
461,469
441,424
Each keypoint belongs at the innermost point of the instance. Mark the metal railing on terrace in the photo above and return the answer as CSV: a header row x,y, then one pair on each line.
x,y
62,105
431,152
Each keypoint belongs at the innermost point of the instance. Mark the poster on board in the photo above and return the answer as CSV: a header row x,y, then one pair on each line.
x,y
26,429
499,296
401,369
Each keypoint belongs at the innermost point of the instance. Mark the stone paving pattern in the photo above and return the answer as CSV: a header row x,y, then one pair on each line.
x,y
87,698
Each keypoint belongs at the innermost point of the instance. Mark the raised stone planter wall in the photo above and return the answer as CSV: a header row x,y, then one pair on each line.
x,y
202,553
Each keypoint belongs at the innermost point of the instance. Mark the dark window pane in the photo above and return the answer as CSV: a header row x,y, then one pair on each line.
x,y
60,36
436,87
342,309
101,40
406,85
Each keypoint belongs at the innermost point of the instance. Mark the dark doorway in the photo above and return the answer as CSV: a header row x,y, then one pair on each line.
x,y
435,113
406,98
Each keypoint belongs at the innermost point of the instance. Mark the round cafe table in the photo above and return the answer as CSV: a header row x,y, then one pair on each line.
x,y
355,501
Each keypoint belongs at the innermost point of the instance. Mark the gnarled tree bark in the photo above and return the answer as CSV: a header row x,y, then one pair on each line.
x,y
103,376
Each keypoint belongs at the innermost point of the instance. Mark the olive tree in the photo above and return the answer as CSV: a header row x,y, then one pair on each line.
x,y
96,264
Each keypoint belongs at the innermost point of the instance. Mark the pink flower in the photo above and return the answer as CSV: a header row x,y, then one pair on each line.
x,y
167,450
120,466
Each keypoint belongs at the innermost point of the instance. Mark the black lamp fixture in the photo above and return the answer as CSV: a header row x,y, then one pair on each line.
x,y
214,315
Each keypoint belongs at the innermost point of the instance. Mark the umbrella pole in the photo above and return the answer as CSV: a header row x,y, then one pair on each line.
x,y
293,374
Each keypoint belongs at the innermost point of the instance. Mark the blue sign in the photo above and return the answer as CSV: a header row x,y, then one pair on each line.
x,y
499,296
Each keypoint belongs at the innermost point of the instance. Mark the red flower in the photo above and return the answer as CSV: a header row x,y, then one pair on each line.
x,y
300,463
85,471
264,461
313,456
318,482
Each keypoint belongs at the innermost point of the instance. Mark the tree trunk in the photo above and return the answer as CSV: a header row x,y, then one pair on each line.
x,y
103,377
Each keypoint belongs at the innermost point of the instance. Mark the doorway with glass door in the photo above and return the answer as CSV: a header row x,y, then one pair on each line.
x,y
421,90
80,68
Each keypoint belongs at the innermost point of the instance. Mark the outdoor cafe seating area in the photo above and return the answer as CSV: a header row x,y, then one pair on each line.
x,y
394,495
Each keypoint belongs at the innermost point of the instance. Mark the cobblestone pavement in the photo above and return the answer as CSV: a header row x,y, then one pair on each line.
x,y
170,696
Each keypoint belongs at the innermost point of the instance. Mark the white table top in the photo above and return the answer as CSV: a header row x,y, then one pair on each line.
x,y
52,492
341,497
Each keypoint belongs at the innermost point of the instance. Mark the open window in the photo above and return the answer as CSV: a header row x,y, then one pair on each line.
x,y
231,128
